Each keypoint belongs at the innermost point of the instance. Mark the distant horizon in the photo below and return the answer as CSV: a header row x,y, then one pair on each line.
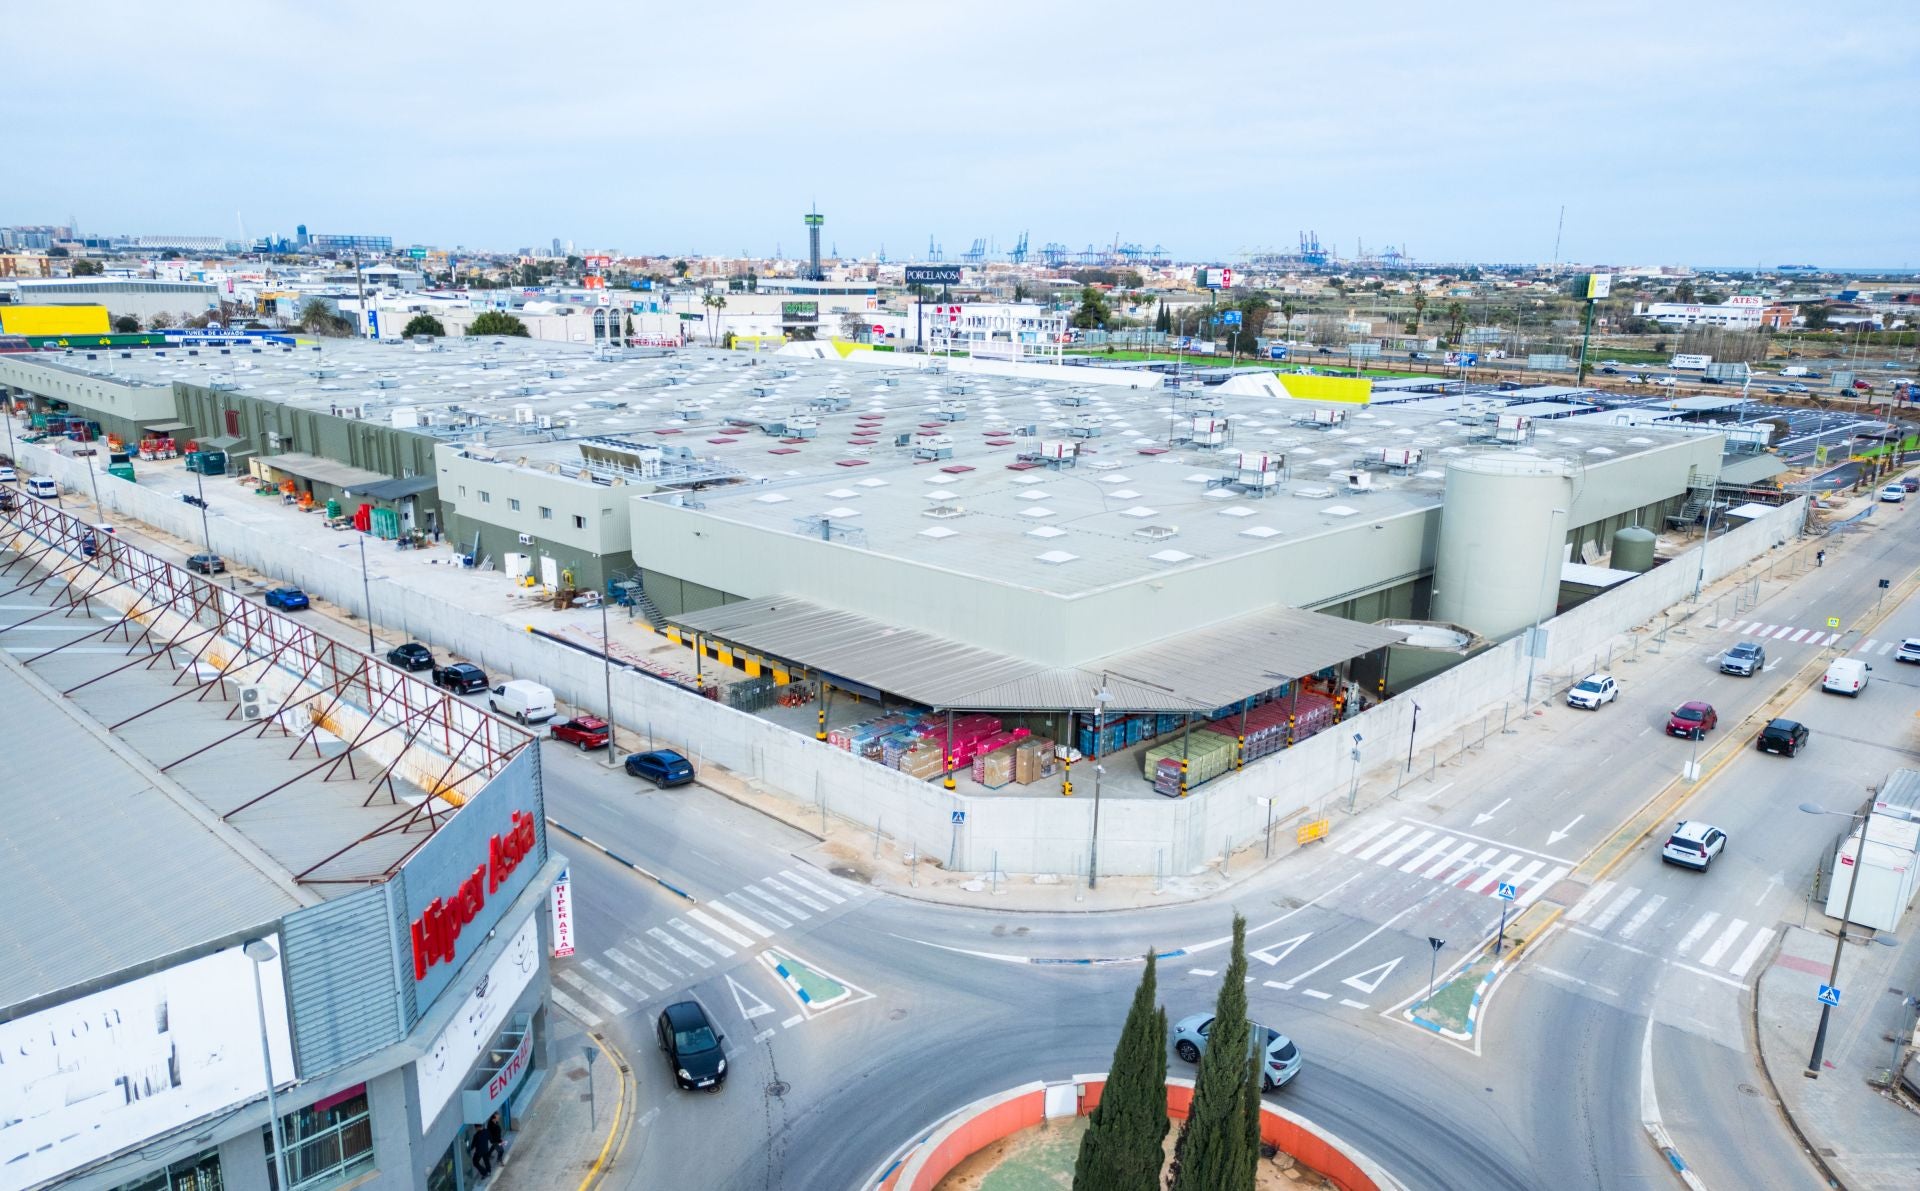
x,y
1527,134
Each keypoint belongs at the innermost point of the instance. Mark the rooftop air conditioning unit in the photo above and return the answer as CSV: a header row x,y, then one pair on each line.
x,y
1359,481
526,539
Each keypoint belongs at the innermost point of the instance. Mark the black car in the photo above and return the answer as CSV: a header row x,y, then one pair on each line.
x,y
207,564
462,678
411,656
662,767
1786,737
1746,658
692,1046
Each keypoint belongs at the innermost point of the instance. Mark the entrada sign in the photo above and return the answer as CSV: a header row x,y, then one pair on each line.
x,y
437,931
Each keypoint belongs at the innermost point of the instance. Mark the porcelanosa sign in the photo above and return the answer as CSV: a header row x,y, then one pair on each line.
x,y
110,1070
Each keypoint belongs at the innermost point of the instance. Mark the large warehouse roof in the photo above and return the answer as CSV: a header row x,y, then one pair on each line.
x,y
1200,669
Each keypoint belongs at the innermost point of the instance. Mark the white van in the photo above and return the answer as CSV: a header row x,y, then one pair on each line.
x,y
43,487
1846,676
528,702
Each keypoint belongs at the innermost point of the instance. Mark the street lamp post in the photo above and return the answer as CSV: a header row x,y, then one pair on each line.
x,y
1101,698
1840,940
1700,577
200,494
260,951
93,479
1353,792
1533,638
366,590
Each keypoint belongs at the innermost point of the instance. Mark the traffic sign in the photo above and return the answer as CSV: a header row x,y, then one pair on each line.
x,y
1508,891
1231,318
1885,583
1833,622
1829,995
959,817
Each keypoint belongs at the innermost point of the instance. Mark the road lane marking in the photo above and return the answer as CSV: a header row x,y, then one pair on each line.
x,y
1784,630
1489,880
1868,644
1399,853
1526,874
1364,833
586,1016
1736,928
793,1021
1831,638
1363,940
1273,984
1557,974
810,887
588,989
677,945
1884,648
1647,911
1315,993
1529,896
722,907
720,928
640,970
1351,1003
1504,844
1385,841
1696,930
774,884
1754,947
1202,972
765,1034
738,900
1478,862
607,974
1797,636
1421,860
1612,912
701,937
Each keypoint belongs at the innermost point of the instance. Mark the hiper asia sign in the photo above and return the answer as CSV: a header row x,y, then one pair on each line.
x,y
563,914
436,932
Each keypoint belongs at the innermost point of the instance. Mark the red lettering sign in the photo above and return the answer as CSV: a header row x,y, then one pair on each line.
x,y
436,933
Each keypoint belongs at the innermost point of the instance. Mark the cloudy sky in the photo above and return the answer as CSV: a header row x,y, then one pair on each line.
x,y
1704,131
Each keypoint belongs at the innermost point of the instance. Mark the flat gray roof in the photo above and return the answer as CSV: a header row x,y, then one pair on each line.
x,y
1200,669
100,870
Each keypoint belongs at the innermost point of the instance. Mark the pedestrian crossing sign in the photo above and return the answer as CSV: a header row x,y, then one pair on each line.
x,y
1833,622
1829,995
1508,891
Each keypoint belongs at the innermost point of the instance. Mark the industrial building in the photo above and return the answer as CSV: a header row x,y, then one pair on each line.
x,y
135,297
973,534
232,961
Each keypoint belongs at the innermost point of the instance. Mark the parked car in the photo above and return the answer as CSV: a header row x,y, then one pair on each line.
x,y
1909,650
9,476
42,488
662,767
462,678
207,564
1747,659
1693,844
1797,387
1783,736
1910,483
587,731
1280,1060
1778,389
1593,690
1893,494
287,599
692,1046
1692,720
528,702
1845,676
411,656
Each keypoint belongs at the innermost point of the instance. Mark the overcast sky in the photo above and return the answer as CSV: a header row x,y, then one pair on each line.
x,y
1703,132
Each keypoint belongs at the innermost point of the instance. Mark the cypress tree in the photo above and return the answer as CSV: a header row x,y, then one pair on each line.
x,y
1213,1154
1121,1149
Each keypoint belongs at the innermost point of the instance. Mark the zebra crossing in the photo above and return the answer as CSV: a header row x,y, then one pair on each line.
x,y
657,959
1722,946
1454,859
1761,630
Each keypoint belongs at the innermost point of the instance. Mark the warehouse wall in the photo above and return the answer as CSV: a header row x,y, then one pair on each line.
x,y
120,407
1138,835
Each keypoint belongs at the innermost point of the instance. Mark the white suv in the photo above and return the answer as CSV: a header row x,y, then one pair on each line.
x,y
1593,690
1693,844
1909,650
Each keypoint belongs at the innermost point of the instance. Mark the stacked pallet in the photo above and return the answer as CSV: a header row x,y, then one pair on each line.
x,y
869,738
968,733
1033,759
1208,755
988,747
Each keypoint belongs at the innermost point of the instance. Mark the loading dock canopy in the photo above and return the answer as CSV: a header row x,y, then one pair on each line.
x,y
225,442
1200,670
326,471
165,427
395,489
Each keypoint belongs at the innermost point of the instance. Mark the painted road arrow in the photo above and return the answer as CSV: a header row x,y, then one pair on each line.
x,y
1485,815
1554,837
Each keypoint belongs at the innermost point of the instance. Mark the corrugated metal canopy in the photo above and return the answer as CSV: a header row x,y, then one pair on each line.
x,y
1201,669
224,442
395,489
312,467
166,427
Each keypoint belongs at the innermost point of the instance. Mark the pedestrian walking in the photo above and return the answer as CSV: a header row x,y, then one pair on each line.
x,y
481,1151
496,1141
1819,558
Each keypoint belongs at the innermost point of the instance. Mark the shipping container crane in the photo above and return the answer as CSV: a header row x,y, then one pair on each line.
x,y
976,254
1019,254
1054,253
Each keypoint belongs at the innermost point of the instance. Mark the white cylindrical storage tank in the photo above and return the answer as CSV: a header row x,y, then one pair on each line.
x,y
1503,531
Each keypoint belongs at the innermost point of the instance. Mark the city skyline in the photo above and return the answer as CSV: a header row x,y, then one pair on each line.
x,y
1673,137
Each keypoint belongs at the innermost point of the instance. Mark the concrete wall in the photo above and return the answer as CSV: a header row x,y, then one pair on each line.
x,y
1046,835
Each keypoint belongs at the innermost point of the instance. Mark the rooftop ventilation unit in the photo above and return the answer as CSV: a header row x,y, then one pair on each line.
x,y
1512,428
1260,473
1084,426
1399,460
1358,480
943,512
830,404
386,382
951,411
934,446
1322,419
1156,533
1053,452
523,415
1071,400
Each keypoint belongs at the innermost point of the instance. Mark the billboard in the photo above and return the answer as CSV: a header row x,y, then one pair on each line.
x,y
54,320
933,274
800,312
443,1068
112,1069
1217,278
1594,286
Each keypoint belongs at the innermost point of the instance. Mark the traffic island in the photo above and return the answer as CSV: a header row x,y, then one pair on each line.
x,y
1454,1008
814,988
1028,1138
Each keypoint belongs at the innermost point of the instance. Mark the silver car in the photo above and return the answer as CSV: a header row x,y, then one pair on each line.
x,y
1281,1061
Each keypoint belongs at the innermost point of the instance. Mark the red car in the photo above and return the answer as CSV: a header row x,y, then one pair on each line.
x,y
1692,721
587,731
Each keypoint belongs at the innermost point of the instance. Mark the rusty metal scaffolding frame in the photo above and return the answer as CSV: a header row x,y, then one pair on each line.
x,y
462,747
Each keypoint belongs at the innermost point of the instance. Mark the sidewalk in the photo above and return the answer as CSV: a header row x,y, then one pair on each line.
x,y
1864,1138
568,1141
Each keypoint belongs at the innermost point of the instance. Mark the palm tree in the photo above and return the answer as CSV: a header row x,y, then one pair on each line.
x,y
1419,308
1287,307
716,303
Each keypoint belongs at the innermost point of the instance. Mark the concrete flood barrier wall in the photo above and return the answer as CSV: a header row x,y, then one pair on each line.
x,y
1003,1114
1149,836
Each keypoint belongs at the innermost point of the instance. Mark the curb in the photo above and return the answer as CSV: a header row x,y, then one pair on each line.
x,y
778,962
1473,1009
614,856
601,1164
1766,1069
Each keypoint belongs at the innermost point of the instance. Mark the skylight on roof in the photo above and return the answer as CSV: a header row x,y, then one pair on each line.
x,y
772,498
1339,511
1046,531
1036,511
1056,557
1125,494
1036,494
938,531
1259,531
1141,511
841,511
1237,511
1171,556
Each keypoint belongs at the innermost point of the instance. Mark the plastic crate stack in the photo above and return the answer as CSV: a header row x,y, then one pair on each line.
x,y
1111,738
750,695
868,737
1315,715
968,733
